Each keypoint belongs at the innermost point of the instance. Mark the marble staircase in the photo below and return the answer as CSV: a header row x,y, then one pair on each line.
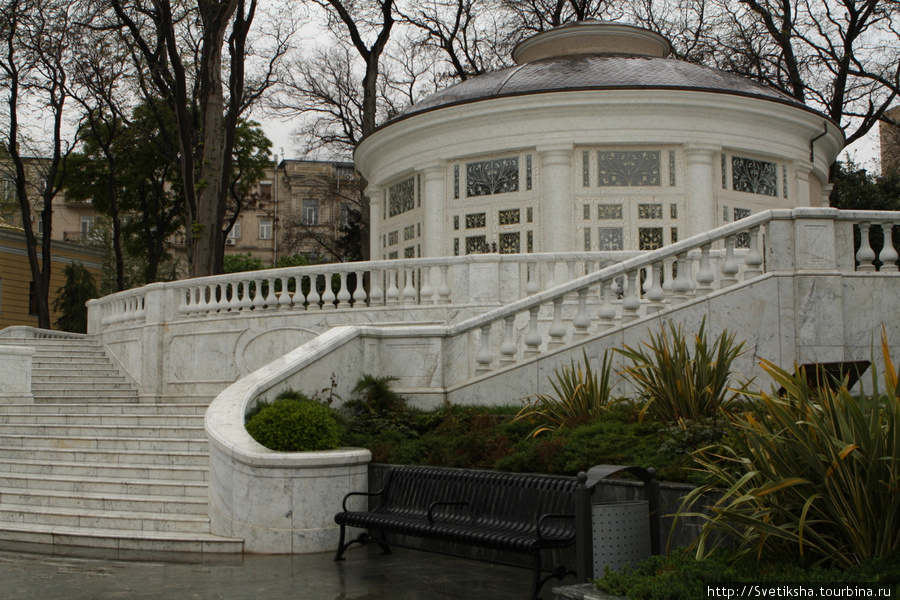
x,y
87,465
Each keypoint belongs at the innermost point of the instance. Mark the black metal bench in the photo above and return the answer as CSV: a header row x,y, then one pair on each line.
x,y
513,512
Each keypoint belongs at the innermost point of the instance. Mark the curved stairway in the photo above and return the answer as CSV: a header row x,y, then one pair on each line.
x,y
87,465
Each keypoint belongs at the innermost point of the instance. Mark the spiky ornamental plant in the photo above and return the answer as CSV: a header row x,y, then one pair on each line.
x,y
677,385
579,397
814,473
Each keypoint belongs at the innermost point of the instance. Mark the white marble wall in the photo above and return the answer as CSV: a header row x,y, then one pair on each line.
x,y
15,382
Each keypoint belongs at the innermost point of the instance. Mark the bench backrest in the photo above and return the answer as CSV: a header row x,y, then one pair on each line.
x,y
513,501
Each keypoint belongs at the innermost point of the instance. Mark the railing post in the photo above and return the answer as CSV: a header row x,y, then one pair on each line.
x,y
888,256
557,330
484,356
376,295
532,287
753,260
409,290
427,291
392,296
865,255
533,337
328,297
508,347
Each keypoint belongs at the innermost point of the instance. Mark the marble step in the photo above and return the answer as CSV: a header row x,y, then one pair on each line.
x,y
60,537
127,472
100,368
56,376
100,501
85,386
90,518
85,396
121,486
66,430
90,456
110,408
89,442
100,420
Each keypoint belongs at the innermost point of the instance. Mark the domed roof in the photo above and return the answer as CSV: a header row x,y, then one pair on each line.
x,y
593,55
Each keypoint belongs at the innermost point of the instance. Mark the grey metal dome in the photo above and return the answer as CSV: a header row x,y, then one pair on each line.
x,y
594,55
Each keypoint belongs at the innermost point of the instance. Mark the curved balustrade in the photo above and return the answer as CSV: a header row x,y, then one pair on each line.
x,y
653,282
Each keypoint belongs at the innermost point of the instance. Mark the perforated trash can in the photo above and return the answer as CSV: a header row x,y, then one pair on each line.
x,y
621,534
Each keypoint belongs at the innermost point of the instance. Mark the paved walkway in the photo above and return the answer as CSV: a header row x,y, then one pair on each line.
x,y
365,575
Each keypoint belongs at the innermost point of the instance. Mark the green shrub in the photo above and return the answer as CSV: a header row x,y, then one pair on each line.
x,y
677,385
294,423
680,576
813,474
580,397
376,396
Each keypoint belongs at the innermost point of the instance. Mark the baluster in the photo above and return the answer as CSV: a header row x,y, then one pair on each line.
x,y
705,275
508,347
427,291
314,299
343,296
655,293
358,296
241,295
126,314
570,267
141,307
532,287
533,337
271,298
681,286
865,255
557,330
607,312
729,265
393,292
484,357
231,293
184,306
328,296
284,300
668,274
582,321
888,256
409,290
376,296
444,289
630,302
753,261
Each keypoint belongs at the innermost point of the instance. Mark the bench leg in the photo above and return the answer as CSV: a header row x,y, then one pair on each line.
x,y
382,541
339,555
538,582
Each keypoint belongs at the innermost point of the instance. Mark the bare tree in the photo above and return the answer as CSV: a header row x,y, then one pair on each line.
x,y
183,47
34,68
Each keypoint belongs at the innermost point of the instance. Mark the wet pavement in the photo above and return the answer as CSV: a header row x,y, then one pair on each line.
x,y
364,575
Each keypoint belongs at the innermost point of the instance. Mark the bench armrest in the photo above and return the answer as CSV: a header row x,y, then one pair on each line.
x,y
434,505
370,494
546,517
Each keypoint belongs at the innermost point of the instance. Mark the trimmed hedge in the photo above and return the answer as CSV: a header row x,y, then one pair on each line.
x,y
294,424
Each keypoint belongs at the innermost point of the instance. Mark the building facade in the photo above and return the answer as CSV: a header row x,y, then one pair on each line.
x,y
595,140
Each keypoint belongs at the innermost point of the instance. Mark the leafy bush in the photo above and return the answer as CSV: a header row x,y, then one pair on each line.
x,y
294,423
814,473
677,385
580,397
70,300
680,576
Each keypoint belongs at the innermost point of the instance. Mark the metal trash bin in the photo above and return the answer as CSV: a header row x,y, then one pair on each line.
x,y
621,534
615,533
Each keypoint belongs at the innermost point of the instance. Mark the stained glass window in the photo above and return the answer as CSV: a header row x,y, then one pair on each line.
x,y
609,211
476,245
509,243
476,220
650,238
528,172
492,177
402,197
610,238
650,211
672,168
754,176
586,169
509,217
628,168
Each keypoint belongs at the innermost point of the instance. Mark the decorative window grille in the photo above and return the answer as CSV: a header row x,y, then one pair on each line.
x,y
628,168
754,176
401,197
488,177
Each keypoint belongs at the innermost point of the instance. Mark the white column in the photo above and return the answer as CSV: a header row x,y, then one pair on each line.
x,y
804,197
376,216
556,199
701,186
433,226
826,195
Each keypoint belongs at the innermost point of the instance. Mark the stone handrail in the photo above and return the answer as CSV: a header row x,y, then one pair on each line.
x,y
388,283
25,332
